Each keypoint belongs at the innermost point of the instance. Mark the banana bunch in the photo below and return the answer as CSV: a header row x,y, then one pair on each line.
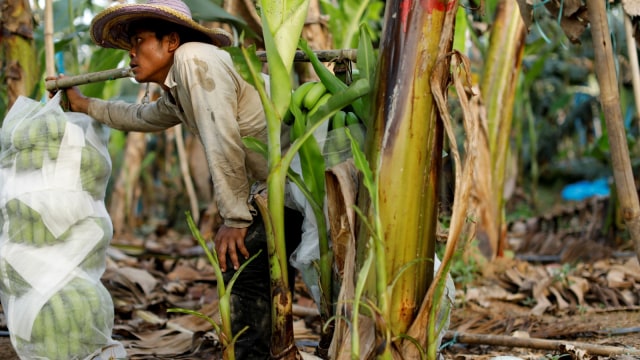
x,y
32,140
337,146
95,170
77,320
96,259
26,225
40,137
70,324
309,96
11,282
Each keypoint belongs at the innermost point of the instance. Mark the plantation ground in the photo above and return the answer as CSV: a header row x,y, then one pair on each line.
x,y
558,282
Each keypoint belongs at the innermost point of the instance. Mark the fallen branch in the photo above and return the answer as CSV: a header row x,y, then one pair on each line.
x,y
540,344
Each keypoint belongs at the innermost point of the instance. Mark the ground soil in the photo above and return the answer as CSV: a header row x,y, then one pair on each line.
x,y
598,327
619,328
608,313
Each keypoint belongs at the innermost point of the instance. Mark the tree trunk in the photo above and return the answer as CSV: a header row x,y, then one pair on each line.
x,y
610,100
17,52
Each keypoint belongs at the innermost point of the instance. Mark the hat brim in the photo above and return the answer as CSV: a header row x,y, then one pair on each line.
x,y
109,28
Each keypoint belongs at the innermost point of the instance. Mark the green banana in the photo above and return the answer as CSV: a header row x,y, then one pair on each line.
x,y
61,321
338,120
86,159
26,228
50,333
15,222
15,230
20,137
323,100
101,168
48,236
56,127
352,119
23,160
60,314
78,306
95,259
313,95
37,131
39,231
37,329
13,207
107,227
53,149
75,338
11,281
300,93
332,82
37,157
338,139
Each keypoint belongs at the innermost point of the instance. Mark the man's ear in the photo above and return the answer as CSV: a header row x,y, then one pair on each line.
x,y
173,40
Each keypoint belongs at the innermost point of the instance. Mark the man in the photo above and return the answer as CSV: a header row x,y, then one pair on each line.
x,y
203,91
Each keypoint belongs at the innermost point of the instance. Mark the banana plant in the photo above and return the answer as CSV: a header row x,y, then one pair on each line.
x,y
498,86
282,23
17,51
345,18
403,149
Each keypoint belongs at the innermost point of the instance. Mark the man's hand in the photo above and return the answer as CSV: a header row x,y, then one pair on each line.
x,y
77,101
230,240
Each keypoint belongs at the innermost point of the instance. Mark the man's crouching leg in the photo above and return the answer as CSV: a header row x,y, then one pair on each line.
x,y
251,292
251,298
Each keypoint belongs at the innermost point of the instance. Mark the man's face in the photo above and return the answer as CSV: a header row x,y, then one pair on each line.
x,y
151,58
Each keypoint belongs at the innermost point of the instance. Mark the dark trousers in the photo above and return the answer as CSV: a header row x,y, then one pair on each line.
x,y
251,292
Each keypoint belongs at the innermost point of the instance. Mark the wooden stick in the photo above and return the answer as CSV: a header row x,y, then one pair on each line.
x,y
541,344
69,81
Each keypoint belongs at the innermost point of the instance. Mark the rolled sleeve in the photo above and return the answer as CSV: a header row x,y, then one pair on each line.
x,y
124,116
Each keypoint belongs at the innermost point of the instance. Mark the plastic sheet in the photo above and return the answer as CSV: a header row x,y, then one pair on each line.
x,y
54,168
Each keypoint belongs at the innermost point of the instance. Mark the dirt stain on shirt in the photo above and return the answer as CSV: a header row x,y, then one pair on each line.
x,y
202,70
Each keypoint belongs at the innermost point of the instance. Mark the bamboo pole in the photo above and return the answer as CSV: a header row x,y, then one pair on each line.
x,y
338,55
541,344
48,39
70,81
610,100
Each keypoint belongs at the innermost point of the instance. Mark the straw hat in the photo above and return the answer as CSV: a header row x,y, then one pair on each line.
x,y
109,27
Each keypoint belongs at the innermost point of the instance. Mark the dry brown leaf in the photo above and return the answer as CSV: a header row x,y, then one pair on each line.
x,y
162,342
193,323
616,279
579,286
145,281
184,273
485,295
560,301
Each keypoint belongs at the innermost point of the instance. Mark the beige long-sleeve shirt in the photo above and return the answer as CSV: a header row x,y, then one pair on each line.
x,y
211,99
